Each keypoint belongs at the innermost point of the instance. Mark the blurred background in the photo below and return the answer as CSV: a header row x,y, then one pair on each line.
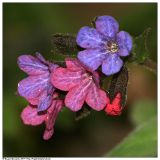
x,y
27,28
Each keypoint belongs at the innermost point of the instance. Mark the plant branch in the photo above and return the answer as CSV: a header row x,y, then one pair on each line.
x,y
150,65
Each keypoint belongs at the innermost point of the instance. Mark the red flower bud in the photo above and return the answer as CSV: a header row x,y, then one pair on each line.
x,y
114,108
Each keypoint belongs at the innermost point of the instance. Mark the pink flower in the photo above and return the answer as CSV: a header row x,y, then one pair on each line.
x,y
82,85
31,116
114,108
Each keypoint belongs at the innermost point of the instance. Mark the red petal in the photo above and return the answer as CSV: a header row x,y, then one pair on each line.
x,y
116,101
65,79
30,116
96,98
73,64
76,96
113,110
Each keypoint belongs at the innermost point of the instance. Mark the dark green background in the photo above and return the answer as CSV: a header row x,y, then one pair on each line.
x,y
27,28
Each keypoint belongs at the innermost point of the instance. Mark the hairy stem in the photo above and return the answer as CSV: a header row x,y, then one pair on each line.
x,y
150,65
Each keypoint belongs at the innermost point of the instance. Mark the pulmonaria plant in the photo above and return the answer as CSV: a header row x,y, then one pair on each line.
x,y
39,92
31,116
82,84
36,88
104,45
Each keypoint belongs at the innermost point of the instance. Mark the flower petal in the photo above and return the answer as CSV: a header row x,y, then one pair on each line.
x,y
31,65
92,58
89,38
30,116
96,98
51,117
65,79
45,103
124,41
112,64
73,64
76,96
42,96
32,86
48,134
41,58
107,26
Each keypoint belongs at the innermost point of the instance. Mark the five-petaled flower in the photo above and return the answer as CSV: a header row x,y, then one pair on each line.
x,y
36,88
82,84
114,108
31,116
104,45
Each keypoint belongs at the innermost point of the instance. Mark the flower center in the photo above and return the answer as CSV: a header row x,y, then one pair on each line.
x,y
88,75
112,47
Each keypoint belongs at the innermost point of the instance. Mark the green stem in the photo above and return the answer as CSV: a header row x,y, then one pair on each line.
x,y
150,65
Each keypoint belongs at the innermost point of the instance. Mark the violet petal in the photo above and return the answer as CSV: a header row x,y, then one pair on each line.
x,y
32,86
92,58
107,26
89,38
124,41
45,103
112,64
41,58
31,65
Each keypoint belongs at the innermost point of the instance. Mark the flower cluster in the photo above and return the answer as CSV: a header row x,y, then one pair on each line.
x,y
79,79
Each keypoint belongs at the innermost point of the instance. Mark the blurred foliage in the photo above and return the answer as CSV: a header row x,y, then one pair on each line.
x,y
141,142
140,51
29,27
142,111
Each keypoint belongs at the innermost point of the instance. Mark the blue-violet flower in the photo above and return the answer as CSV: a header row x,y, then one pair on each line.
x,y
104,45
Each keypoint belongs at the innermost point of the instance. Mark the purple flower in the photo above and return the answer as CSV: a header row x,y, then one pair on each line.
x,y
36,88
104,45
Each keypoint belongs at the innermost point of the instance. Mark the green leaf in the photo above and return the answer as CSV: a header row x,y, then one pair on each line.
x,y
64,44
119,85
140,51
142,142
142,111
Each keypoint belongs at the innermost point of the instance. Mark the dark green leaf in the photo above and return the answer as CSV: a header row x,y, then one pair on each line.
x,y
119,84
64,44
140,51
